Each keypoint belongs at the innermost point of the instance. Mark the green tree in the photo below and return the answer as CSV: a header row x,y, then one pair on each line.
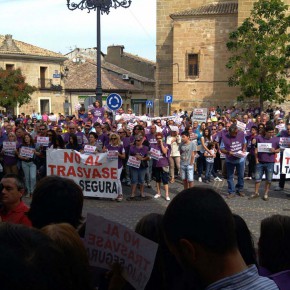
x,y
14,91
260,53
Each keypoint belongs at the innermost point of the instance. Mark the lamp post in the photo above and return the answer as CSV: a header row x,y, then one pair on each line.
x,y
101,6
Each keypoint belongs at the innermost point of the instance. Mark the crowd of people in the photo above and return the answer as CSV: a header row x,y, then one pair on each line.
x,y
162,148
201,243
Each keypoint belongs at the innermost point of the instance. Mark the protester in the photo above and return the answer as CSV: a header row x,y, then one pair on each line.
x,y
10,155
13,209
200,231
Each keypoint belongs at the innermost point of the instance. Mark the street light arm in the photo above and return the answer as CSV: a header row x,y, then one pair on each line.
x,y
104,5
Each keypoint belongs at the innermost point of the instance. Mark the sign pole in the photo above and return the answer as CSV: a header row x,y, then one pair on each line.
x,y
167,109
149,112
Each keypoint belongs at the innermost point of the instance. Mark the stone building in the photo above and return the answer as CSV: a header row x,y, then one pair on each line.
x,y
42,69
128,75
192,53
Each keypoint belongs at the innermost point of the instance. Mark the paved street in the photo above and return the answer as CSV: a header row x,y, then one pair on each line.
x,y
253,211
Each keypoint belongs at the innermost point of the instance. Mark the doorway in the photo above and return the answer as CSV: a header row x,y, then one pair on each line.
x,y
44,106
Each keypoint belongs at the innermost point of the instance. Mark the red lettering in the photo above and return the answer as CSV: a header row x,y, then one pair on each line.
x,y
68,157
80,172
89,160
115,232
87,172
108,245
96,173
96,161
114,173
105,172
91,239
108,230
287,160
71,171
51,167
77,158
61,170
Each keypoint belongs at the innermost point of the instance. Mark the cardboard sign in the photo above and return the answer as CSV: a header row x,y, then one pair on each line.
x,y
134,162
154,153
199,115
112,155
108,242
280,127
264,147
27,152
44,141
241,126
284,142
9,146
94,173
286,162
90,149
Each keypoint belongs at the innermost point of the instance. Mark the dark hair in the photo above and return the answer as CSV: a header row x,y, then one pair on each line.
x,y
200,215
210,145
159,134
97,124
269,127
30,137
93,134
254,127
31,260
19,181
186,133
56,200
245,241
75,140
274,243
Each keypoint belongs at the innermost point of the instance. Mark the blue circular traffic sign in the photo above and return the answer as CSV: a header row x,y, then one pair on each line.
x,y
114,102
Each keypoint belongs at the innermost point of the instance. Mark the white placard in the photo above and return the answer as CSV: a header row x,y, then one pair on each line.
x,y
264,147
174,128
199,115
108,242
90,149
280,127
241,126
154,153
27,152
44,141
112,155
94,173
284,142
240,154
134,162
9,146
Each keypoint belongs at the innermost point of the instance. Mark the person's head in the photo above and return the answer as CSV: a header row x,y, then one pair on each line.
x,y
98,128
11,137
13,190
67,239
254,130
97,104
245,118
206,133
233,130
138,139
73,139
269,131
199,220
153,129
210,145
27,139
129,111
138,130
115,139
185,137
159,137
122,133
105,128
19,132
42,130
245,240
31,260
274,243
93,138
56,200
261,128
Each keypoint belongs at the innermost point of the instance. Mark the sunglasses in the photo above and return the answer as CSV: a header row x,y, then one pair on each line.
x,y
158,138
41,129
113,138
121,132
138,140
213,129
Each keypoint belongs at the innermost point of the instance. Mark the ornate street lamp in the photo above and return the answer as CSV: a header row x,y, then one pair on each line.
x,y
102,6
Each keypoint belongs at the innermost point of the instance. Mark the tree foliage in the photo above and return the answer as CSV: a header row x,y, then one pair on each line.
x,y
13,89
260,53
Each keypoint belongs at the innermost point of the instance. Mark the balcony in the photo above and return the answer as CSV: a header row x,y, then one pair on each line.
x,y
46,84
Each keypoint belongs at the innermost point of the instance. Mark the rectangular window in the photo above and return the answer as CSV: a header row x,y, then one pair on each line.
x,y
192,61
9,66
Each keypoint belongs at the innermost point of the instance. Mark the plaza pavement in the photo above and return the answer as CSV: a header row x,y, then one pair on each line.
x,y
129,212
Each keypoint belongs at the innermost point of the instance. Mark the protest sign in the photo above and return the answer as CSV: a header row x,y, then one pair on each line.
x,y
96,175
44,141
90,149
264,147
112,155
9,146
134,162
284,142
199,115
241,126
27,152
286,162
130,126
108,242
240,154
280,127
154,153
174,128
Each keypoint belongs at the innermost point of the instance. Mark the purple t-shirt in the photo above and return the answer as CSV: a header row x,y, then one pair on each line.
x,y
104,138
143,151
151,138
264,156
120,149
98,112
233,144
164,160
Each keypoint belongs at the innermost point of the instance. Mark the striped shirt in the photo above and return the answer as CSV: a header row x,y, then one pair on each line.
x,y
248,279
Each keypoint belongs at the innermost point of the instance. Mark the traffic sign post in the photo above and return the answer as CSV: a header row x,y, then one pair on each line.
x,y
114,102
168,99
149,105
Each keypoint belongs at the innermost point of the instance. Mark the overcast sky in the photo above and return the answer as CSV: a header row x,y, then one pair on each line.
x,y
51,25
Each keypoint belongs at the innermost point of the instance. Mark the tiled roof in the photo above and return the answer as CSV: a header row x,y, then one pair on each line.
x,y
10,46
82,76
138,58
117,69
215,8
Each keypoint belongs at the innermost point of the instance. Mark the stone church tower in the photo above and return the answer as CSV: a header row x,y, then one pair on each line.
x,y
192,53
